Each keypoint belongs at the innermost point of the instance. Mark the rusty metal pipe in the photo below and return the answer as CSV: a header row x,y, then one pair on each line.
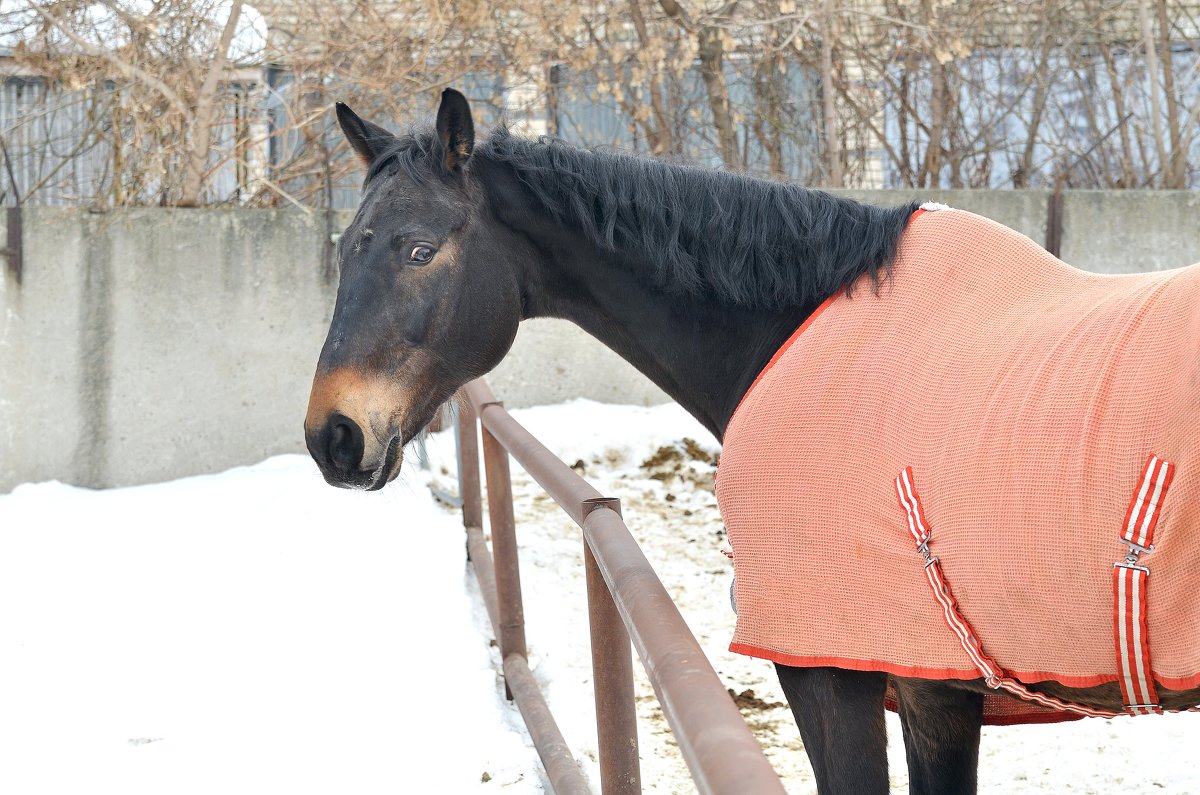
x,y
481,561
556,755
504,547
479,393
718,747
612,685
560,481
468,464
561,767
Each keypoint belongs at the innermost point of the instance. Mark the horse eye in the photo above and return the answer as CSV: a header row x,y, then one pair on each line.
x,y
421,254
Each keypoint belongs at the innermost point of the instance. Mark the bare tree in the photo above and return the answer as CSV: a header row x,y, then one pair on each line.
x,y
710,40
906,93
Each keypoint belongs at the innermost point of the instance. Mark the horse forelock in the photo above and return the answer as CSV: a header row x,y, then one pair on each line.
x,y
418,154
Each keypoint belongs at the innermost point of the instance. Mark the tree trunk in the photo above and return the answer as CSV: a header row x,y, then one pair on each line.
x,y
659,134
768,111
202,121
932,166
1040,94
833,149
1128,172
1175,170
712,70
1160,144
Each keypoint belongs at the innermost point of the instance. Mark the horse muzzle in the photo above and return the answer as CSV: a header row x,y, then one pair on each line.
x,y
351,427
338,446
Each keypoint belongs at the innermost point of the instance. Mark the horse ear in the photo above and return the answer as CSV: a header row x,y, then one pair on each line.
x,y
365,138
455,128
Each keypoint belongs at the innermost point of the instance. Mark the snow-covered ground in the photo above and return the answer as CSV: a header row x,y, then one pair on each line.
x,y
257,631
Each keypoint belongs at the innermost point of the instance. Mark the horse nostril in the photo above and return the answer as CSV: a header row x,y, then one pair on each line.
x,y
345,448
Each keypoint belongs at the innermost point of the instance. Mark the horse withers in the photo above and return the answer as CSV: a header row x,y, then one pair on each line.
x,y
899,394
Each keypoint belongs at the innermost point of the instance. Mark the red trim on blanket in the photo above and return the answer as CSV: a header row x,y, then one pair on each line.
x,y
1178,683
921,672
1023,718
801,661
797,661
796,334
783,348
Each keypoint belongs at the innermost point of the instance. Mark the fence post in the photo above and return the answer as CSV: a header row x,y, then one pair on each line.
x,y
468,463
504,547
612,677
1054,219
13,249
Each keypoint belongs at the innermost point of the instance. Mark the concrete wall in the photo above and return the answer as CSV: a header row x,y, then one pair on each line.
x,y
149,344
1128,232
1103,231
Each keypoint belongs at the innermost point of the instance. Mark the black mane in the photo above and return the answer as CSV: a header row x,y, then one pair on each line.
x,y
744,240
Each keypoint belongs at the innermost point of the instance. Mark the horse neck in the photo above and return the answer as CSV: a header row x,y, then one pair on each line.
x,y
703,348
590,255
701,352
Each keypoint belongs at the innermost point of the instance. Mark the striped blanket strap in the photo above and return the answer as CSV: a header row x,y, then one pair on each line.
x,y
994,676
1130,578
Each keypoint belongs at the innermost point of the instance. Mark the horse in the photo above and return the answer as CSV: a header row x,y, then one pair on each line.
x,y
698,278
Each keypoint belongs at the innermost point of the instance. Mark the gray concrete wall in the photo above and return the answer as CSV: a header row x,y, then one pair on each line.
x,y
1131,231
1103,231
1024,211
149,344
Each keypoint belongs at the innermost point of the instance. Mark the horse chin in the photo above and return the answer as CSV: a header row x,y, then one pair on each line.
x,y
393,457
389,469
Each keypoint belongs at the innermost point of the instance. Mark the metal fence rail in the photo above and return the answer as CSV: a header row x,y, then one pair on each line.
x,y
625,600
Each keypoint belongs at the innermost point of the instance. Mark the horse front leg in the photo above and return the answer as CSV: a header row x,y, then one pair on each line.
x,y
941,736
840,715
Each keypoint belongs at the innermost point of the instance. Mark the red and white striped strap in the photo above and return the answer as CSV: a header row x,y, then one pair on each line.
x,y
1146,505
1130,580
994,676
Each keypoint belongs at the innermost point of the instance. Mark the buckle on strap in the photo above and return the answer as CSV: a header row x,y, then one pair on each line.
x,y
1135,552
1137,549
923,550
1130,564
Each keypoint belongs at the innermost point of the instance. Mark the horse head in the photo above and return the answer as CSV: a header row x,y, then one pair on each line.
x,y
428,297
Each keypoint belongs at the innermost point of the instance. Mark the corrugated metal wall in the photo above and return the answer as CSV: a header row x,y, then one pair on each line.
x,y
54,156
61,142
60,146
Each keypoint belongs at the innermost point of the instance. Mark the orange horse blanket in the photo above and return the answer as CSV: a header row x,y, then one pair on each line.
x,y
1026,396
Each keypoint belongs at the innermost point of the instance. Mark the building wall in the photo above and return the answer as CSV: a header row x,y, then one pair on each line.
x,y
148,344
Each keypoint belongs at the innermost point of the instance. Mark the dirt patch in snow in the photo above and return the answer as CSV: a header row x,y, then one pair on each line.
x,y
683,464
749,703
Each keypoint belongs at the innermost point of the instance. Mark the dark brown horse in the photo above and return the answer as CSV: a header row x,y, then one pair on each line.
x,y
695,277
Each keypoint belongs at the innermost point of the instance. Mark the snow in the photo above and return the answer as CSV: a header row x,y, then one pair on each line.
x,y
254,631
258,631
